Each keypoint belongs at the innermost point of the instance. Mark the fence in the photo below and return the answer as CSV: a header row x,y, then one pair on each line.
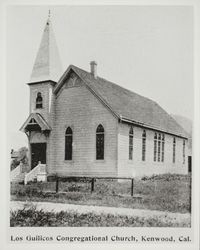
x,y
92,180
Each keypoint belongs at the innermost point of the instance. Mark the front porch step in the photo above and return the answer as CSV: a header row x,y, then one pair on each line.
x,y
39,173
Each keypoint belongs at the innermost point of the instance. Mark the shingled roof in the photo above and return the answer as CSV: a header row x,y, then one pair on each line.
x,y
127,105
47,64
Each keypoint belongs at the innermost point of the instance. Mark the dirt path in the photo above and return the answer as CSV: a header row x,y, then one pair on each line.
x,y
81,209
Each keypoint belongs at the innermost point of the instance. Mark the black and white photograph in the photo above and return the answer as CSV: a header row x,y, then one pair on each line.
x,y
100,122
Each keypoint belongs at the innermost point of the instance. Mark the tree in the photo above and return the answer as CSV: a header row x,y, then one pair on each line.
x,y
23,152
22,157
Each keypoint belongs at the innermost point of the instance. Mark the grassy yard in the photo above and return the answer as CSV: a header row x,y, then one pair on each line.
x,y
34,218
162,192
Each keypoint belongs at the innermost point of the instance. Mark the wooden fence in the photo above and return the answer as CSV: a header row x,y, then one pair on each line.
x,y
92,181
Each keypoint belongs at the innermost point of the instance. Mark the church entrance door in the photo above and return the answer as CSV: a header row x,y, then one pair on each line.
x,y
38,153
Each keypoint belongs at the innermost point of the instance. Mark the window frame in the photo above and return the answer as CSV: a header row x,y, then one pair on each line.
x,y
174,150
131,134
144,137
159,147
39,101
155,147
184,144
100,143
68,144
163,148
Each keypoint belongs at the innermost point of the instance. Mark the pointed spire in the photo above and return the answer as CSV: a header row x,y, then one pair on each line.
x,y
47,64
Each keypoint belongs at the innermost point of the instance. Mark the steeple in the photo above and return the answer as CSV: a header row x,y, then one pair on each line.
x,y
47,64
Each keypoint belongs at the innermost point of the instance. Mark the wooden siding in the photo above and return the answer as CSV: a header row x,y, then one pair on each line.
x,y
137,167
78,108
48,113
46,90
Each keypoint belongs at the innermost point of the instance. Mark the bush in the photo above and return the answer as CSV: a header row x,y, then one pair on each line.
x,y
36,218
22,157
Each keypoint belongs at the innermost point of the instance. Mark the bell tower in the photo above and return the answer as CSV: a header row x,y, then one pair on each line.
x,y
45,73
44,77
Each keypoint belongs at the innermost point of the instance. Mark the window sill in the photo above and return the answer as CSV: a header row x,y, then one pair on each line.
x,y
68,161
100,161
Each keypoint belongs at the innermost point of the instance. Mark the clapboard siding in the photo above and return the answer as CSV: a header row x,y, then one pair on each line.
x,y
137,167
46,90
48,113
78,108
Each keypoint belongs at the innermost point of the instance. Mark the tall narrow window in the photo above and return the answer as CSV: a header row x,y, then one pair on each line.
x,y
163,148
100,143
68,143
174,150
131,143
159,143
143,145
39,101
155,147
183,151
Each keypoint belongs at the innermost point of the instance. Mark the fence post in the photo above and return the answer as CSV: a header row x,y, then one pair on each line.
x,y
92,185
57,183
132,186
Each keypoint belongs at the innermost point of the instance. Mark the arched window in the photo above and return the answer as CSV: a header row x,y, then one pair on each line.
x,y
155,146
39,101
68,143
159,143
131,143
143,145
163,148
174,150
183,151
100,142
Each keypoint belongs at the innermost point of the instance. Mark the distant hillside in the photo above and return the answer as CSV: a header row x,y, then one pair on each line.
x,y
184,122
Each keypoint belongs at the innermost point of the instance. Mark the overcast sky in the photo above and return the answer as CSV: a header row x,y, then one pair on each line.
x,y
148,50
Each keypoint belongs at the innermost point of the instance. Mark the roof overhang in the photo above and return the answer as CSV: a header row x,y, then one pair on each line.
x,y
39,82
35,122
140,124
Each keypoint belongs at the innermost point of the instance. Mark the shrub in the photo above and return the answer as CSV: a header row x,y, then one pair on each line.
x,y
32,217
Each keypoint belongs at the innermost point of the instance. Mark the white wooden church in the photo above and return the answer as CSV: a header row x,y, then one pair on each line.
x,y
83,125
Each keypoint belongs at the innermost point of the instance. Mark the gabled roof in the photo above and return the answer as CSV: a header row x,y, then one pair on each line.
x,y
35,119
47,64
127,105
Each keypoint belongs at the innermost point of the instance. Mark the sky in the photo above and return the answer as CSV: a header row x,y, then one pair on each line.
x,y
146,49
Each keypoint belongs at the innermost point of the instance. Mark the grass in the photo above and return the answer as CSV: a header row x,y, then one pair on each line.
x,y
161,192
38,218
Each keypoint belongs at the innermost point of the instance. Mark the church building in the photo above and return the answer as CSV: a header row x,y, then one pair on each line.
x,y
83,125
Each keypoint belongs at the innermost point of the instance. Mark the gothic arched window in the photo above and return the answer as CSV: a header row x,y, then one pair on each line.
x,y
143,145
174,150
68,143
183,151
163,148
159,146
100,142
155,146
39,101
131,143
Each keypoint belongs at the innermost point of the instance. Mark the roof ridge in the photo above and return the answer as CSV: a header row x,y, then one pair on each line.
x,y
108,81
128,104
